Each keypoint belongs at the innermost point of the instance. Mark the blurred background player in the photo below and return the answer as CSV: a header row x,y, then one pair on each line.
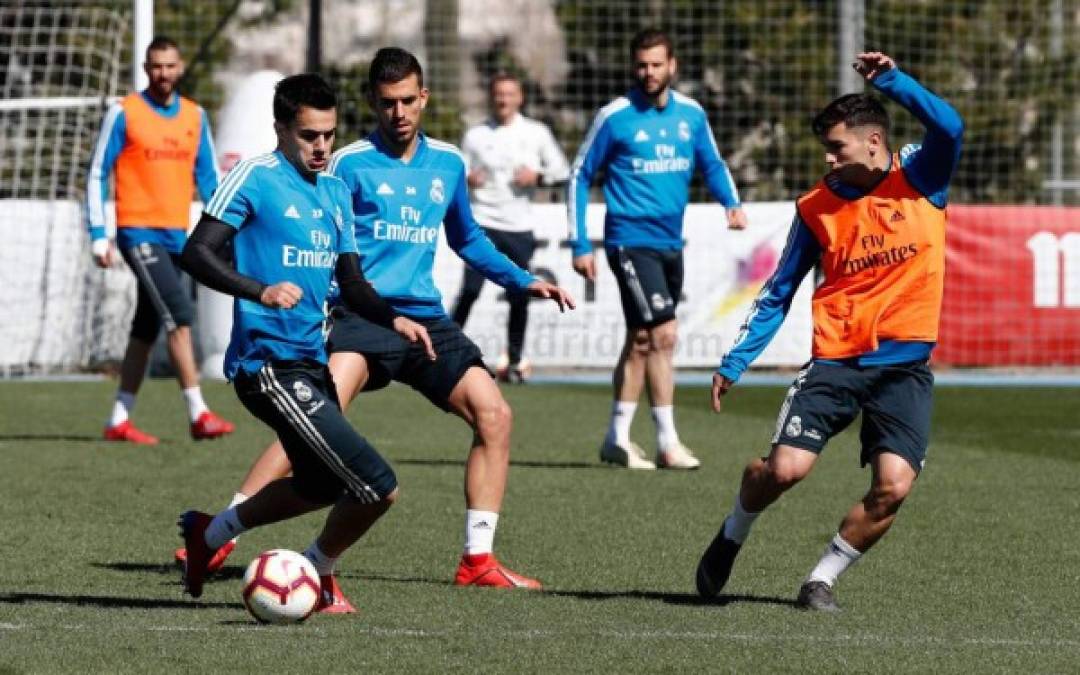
x,y
876,226
507,157
648,143
290,227
160,145
404,187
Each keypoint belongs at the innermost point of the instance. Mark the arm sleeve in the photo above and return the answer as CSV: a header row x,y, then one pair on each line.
x,y
554,167
109,144
469,241
773,302
206,169
591,156
929,167
358,294
205,260
237,199
713,166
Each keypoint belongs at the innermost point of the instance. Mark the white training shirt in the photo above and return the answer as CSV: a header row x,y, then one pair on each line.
x,y
500,150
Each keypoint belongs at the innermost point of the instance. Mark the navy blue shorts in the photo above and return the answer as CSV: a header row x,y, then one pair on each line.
x,y
297,400
650,283
895,401
391,357
161,296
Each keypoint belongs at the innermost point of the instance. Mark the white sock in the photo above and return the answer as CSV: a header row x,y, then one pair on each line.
x,y
737,525
195,403
223,527
323,563
237,498
622,416
125,403
480,531
838,556
664,416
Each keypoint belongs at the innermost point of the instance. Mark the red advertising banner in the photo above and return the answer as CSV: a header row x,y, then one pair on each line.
x,y
1012,287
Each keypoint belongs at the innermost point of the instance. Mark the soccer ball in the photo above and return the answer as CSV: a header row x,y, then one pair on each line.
x,y
281,586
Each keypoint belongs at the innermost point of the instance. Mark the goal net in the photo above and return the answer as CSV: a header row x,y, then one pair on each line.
x,y
59,67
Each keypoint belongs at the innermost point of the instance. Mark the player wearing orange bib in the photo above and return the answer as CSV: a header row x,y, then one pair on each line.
x,y
159,145
876,227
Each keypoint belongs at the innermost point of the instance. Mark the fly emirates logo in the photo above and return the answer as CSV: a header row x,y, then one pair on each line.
x,y
667,161
409,230
319,256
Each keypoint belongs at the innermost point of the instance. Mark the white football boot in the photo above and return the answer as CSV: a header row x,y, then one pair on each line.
x,y
630,455
677,456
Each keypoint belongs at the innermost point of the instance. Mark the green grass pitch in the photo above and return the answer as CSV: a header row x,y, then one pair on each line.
x,y
980,574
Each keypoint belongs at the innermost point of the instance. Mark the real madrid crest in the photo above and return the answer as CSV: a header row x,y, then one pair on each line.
x,y
438,192
301,391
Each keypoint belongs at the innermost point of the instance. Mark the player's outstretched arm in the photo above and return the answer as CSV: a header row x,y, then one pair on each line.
x,y
360,296
548,291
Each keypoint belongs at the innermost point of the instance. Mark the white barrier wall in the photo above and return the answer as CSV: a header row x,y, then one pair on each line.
x,y
724,270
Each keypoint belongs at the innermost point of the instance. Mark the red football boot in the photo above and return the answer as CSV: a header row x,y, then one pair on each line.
x,y
126,432
210,425
216,563
331,599
193,526
484,569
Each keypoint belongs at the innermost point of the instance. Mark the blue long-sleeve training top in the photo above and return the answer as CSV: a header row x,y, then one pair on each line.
x,y
928,168
649,155
399,207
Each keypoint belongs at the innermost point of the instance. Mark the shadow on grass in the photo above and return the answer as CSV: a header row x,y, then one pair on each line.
x,y
77,438
112,602
528,464
171,569
685,599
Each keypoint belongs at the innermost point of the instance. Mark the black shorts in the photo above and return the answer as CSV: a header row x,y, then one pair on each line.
x,y
650,283
297,400
161,297
391,357
895,402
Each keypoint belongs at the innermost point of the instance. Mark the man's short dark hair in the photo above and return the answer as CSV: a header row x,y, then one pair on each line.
x,y
160,43
305,89
854,110
649,38
393,64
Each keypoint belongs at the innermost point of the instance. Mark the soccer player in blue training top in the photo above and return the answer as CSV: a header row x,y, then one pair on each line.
x,y
875,225
160,146
290,228
648,143
405,185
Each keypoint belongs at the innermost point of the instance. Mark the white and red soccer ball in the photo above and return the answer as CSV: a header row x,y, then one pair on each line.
x,y
281,586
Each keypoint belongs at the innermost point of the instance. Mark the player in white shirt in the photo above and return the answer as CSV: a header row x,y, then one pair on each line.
x,y
507,157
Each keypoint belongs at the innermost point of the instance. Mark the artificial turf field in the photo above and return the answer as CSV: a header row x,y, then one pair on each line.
x,y
980,574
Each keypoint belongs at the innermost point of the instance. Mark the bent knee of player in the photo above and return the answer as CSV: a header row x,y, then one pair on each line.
x,y
663,337
784,473
494,418
886,496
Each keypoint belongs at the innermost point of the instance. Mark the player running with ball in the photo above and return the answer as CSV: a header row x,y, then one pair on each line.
x,y
290,226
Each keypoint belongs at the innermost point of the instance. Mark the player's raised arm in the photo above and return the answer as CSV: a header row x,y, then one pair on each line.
x,y
929,166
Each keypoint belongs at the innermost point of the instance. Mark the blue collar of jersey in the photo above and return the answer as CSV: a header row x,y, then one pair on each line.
x,y
421,147
642,103
850,192
167,110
